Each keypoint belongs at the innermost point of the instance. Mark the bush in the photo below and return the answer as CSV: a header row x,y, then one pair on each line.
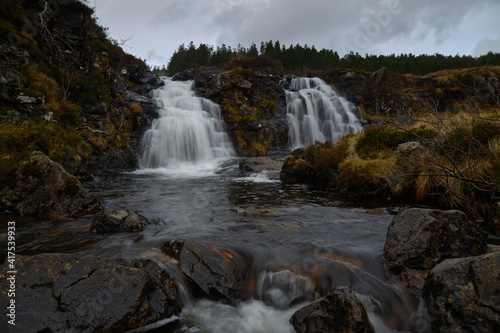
x,y
367,177
379,141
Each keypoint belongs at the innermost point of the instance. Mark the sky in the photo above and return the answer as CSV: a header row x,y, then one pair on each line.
x,y
154,29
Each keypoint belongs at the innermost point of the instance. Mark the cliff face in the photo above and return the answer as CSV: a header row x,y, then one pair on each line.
x,y
67,90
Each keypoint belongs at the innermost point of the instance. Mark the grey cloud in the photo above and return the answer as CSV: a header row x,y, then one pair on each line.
x,y
486,45
364,26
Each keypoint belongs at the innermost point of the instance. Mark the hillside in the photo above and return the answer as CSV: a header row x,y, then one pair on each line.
x,y
68,90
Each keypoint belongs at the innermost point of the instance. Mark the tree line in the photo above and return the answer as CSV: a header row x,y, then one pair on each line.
x,y
298,58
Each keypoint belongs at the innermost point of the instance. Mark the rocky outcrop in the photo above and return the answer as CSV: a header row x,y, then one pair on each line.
x,y
340,311
253,106
64,292
209,272
419,239
10,71
463,295
119,220
43,188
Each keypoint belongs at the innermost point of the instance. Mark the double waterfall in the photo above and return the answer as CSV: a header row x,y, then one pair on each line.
x,y
316,112
190,130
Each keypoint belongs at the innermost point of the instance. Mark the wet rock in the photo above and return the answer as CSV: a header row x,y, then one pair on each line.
x,y
120,220
463,295
64,292
419,239
43,188
147,81
211,273
339,311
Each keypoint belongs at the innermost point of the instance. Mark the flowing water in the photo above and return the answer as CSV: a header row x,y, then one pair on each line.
x,y
316,112
189,131
280,229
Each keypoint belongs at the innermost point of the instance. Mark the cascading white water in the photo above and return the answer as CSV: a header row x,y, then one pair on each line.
x,y
316,112
188,133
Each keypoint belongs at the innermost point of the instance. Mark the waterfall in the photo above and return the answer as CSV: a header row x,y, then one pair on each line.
x,y
189,132
316,112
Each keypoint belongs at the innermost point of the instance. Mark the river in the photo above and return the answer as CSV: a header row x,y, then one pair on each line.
x,y
189,186
271,223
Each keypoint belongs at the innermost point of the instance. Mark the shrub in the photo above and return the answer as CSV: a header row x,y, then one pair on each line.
x,y
379,141
367,177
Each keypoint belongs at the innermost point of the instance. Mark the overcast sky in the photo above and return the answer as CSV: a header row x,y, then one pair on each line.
x,y
156,28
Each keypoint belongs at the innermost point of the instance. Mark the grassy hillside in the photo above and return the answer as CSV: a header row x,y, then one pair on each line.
x,y
72,82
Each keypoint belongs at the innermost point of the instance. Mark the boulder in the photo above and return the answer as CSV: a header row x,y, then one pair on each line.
x,y
43,188
209,272
408,149
119,220
463,295
419,239
340,311
67,293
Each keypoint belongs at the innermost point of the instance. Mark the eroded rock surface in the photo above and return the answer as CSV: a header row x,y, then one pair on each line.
x,y
463,295
210,273
419,239
43,188
64,292
340,311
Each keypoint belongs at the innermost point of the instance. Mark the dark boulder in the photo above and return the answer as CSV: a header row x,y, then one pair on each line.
x,y
211,273
463,295
67,293
340,311
119,220
43,188
419,239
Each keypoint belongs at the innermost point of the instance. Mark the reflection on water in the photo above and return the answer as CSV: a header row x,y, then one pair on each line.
x,y
270,223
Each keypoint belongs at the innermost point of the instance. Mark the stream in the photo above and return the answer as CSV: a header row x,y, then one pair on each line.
x,y
271,223
190,187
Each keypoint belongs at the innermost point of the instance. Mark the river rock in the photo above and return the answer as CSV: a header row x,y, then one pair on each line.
x,y
463,295
43,188
419,239
67,293
211,273
118,220
340,311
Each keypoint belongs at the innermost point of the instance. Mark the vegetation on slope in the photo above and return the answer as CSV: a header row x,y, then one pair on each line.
x,y
448,158
72,72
